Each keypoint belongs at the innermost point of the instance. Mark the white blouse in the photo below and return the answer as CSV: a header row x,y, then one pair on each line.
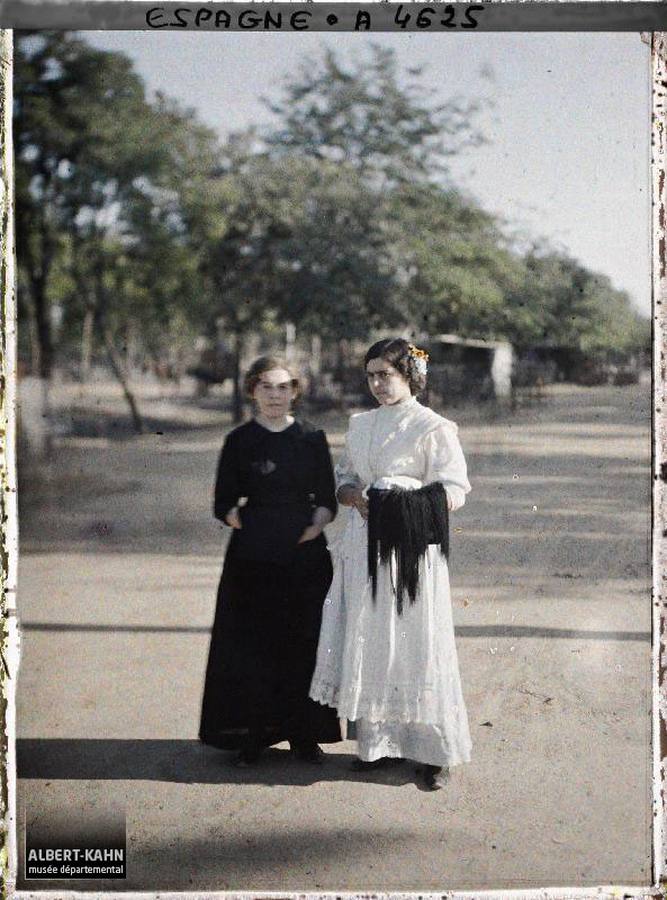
x,y
404,445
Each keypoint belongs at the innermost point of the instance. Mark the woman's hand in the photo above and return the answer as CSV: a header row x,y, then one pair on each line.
x,y
361,505
321,517
233,519
349,495
310,533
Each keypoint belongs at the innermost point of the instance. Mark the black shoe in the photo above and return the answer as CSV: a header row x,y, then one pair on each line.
x,y
384,762
433,778
246,757
310,753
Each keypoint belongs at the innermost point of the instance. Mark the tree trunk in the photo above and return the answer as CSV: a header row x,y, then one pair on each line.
x,y
43,325
315,366
35,357
132,347
342,368
290,342
37,265
113,355
39,273
117,367
86,345
237,402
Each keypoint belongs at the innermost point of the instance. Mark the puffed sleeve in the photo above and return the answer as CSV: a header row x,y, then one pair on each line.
x,y
325,486
227,482
445,463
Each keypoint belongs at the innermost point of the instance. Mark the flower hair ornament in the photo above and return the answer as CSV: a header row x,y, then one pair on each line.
x,y
419,359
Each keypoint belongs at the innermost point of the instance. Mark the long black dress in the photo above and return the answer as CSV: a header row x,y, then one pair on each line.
x,y
269,607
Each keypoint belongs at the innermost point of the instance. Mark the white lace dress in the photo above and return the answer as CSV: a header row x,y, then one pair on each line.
x,y
396,677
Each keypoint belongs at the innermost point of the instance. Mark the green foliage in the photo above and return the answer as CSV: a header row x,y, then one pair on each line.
x,y
99,171
371,117
458,269
560,303
132,216
297,240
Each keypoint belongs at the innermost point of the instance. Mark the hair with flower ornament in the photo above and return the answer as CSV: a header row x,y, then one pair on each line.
x,y
406,358
419,359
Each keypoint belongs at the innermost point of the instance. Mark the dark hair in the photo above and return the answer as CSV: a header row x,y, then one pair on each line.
x,y
265,364
396,351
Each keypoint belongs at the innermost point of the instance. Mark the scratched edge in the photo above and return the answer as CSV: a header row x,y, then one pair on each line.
x,y
8,484
8,549
9,643
659,309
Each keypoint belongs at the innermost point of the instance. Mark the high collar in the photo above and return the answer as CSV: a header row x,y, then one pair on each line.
x,y
397,409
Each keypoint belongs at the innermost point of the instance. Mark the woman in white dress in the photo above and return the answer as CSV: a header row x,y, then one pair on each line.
x,y
386,657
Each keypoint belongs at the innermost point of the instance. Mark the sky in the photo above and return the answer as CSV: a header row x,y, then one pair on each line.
x,y
568,135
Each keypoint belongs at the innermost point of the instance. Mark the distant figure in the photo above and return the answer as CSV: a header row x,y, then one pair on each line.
x,y
386,658
276,574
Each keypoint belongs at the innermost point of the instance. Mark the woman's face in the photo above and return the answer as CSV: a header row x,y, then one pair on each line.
x,y
386,383
274,393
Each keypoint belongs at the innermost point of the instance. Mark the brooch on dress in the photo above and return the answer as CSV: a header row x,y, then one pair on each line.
x,y
265,467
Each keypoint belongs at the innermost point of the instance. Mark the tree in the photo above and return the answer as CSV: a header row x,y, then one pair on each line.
x,y
371,117
100,173
294,240
458,266
339,273
562,303
81,140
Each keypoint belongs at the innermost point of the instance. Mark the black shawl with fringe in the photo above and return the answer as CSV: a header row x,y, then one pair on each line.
x,y
404,522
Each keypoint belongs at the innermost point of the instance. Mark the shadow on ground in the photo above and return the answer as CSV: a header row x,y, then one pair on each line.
x,y
276,856
463,631
183,762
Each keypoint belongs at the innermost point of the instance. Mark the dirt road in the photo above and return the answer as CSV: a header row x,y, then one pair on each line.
x,y
120,561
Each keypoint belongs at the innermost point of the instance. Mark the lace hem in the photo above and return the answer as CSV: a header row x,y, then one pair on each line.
x,y
429,709
405,747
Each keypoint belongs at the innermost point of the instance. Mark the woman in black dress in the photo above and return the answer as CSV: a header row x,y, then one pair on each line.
x,y
275,577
